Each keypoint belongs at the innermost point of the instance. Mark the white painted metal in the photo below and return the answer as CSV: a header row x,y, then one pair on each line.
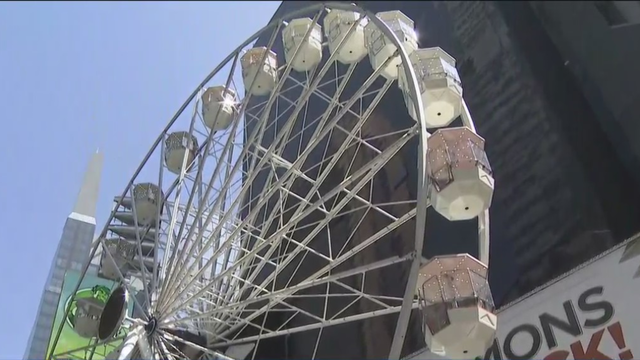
x,y
126,351
180,151
439,85
336,24
462,183
310,53
259,70
218,107
381,47
455,299
147,197
242,186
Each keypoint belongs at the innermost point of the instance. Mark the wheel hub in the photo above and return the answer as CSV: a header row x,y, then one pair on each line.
x,y
151,326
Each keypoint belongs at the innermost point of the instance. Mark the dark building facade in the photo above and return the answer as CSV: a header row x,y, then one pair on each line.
x,y
595,40
559,117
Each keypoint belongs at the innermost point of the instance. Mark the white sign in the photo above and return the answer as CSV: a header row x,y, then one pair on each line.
x,y
591,314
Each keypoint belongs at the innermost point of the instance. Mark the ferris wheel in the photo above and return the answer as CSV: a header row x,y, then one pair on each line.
x,y
270,189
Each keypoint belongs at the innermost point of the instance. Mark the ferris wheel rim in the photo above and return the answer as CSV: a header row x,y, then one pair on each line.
x,y
417,102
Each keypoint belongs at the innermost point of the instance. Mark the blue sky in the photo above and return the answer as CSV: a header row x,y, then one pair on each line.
x,y
77,76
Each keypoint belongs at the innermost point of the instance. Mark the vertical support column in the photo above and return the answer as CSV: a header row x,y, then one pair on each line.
x,y
483,237
483,219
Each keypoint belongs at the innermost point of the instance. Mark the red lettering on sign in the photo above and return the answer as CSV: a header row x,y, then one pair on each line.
x,y
615,330
592,351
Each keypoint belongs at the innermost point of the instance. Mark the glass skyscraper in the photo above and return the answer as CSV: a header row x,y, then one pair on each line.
x,y
72,253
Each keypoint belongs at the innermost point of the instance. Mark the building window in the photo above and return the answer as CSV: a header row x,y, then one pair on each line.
x,y
619,13
61,261
51,297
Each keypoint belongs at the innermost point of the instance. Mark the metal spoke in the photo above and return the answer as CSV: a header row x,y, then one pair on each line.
x,y
274,191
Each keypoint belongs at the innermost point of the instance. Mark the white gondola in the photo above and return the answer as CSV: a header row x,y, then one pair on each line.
x,y
87,317
461,178
147,197
259,64
455,299
218,107
180,148
380,48
109,269
310,52
122,252
440,86
336,25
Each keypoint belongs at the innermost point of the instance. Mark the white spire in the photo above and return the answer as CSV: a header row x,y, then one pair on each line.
x,y
87,200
